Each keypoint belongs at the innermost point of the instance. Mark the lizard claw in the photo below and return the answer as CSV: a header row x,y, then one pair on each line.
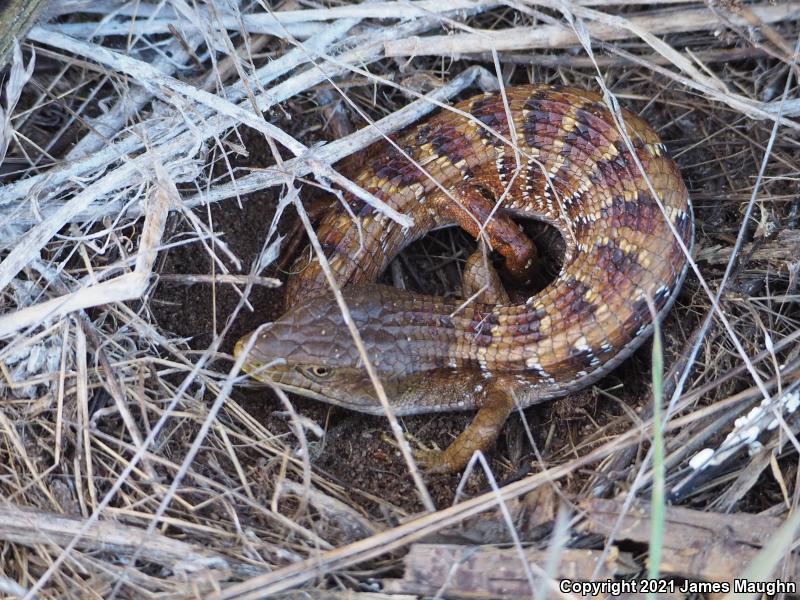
x,y
429,457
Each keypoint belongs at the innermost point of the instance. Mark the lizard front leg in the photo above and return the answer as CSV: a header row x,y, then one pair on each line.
x,y
480,434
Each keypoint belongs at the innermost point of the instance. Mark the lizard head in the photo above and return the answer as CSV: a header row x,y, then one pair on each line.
x,y
407,339
310,351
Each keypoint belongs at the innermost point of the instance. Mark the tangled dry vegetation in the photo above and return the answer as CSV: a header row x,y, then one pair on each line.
x,y
150,153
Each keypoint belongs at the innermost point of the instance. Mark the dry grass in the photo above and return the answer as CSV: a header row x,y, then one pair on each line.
x,y
143,203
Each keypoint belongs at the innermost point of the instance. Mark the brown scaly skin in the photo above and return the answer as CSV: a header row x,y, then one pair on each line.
x,y
433,355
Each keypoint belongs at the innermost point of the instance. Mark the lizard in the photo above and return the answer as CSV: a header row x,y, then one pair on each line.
x,y
552,153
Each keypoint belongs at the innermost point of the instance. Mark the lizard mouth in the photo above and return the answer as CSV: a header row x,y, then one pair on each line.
x,y
253,365
239,347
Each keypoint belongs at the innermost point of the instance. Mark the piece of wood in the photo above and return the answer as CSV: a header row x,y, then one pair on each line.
x,y
529,513
700,545
16,18
778,252
491,572
33,528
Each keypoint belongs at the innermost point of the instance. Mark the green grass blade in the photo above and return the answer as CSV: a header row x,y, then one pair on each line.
x,y
657,504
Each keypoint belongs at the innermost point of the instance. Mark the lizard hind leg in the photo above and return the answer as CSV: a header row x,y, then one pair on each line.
x,y
481,280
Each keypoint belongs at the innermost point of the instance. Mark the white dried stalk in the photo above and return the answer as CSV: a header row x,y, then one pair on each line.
x,y
105,127
119,289
266,26
242,113
158,128
364,10
124,287
164,195
126,174
148,19
557,36
18,76
791,108
329,153
84,438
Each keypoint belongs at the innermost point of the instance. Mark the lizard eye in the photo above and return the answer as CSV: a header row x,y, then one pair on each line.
x,y
318,372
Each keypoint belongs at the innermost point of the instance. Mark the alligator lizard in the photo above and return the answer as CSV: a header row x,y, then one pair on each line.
x,y
564,162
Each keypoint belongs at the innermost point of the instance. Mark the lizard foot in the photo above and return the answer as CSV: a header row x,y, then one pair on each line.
x,y
480,434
